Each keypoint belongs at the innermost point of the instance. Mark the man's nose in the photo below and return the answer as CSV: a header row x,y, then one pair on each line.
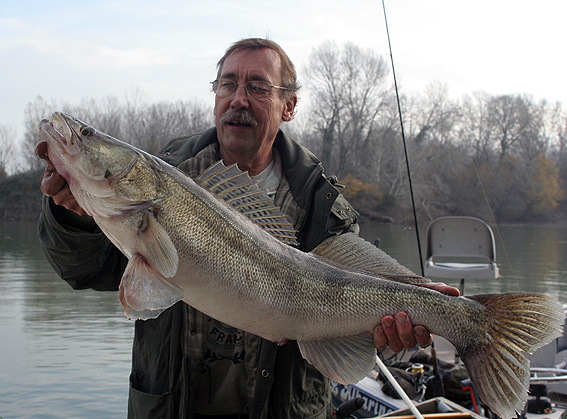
x,y
240,98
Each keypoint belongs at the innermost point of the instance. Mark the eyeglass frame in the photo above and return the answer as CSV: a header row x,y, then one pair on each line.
x,y
246,87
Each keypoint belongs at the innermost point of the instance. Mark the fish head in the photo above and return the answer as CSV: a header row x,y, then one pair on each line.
x,y
74,146
105,175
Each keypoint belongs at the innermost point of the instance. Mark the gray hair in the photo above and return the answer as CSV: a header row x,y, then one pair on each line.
x,y
289,75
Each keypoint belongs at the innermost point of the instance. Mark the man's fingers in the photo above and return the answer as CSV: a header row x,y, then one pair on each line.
x,y
66,199
41,150
380,339
53,183
405,330
443,288
397,332
422,336
386,334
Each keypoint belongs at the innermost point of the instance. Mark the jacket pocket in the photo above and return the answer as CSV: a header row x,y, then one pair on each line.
x,y
341,218
148,399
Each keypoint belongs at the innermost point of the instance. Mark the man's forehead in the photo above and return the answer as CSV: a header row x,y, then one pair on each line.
x,y
259,64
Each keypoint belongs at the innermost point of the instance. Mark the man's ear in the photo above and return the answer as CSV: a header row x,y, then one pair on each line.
x,y
289,109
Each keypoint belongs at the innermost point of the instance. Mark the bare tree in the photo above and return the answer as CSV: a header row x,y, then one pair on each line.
x,y
505,125
163,121
349,92
147,126
34,112
474,129
430,125
322,75
106,114
510,120
556,123
509,151
434,116
8,147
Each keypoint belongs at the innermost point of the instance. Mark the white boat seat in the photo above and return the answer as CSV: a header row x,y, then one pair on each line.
x,y
460,248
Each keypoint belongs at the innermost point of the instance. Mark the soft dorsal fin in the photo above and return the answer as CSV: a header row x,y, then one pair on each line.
x,y
353,252
239,191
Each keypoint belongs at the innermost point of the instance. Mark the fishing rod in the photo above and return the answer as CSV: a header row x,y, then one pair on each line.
x,y
379,362
408,169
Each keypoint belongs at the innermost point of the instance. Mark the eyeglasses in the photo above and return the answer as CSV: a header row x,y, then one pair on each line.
x,y
256,89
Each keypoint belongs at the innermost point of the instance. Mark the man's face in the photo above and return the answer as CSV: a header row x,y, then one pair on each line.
x,y
237,138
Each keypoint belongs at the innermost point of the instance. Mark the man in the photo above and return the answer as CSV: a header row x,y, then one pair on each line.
x,y
186,364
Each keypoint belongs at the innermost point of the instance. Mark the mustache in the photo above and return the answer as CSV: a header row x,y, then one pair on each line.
x,y
238,117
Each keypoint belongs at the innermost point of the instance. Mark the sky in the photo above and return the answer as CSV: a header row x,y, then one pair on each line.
x,y
66,51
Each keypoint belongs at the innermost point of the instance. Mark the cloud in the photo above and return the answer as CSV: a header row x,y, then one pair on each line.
x,y
135,57
169,49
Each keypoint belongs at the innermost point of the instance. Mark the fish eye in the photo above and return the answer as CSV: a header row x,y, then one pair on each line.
x,y
87,131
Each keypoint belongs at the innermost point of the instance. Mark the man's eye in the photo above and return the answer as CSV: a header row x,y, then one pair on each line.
x,y
258,88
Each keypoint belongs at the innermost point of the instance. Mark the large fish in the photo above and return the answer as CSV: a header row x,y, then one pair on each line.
x,y
218,243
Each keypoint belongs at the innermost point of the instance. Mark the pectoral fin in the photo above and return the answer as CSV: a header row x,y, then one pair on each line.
x,y
144,293
160,252
346,359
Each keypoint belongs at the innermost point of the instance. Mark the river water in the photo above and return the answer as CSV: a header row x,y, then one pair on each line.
x,y
63,353
66,353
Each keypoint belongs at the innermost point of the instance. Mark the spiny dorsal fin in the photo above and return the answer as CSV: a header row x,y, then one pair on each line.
x,y
353,252
239,191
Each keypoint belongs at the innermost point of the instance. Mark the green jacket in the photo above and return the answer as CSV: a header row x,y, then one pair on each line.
x,y
163,380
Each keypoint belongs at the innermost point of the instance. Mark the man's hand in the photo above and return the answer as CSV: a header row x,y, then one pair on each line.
x,y
53,184
397,331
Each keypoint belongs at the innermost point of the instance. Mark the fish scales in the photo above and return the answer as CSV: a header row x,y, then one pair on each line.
x,y
219,244
275,282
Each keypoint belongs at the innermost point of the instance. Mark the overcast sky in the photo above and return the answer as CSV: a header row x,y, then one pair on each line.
x,y
70,50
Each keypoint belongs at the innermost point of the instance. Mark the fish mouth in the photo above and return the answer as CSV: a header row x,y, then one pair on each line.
x,y
57,131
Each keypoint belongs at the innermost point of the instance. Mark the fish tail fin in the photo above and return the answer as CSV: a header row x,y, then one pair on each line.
x,y
516,323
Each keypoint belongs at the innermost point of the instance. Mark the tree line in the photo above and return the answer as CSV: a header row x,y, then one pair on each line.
x,y
502,158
